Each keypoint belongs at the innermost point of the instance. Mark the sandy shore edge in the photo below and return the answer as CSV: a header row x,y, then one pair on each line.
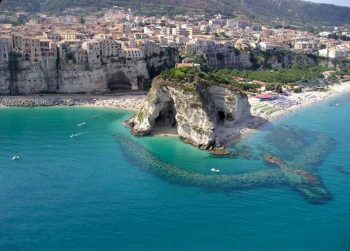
x,y
127,102
134,102
304,100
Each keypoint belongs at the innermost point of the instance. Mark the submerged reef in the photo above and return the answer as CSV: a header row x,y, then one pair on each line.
x,y
139,155
308,184
298,153
300,174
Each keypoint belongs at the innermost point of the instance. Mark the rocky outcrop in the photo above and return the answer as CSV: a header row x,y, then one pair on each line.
x,y
165,59
277,59
230,59
193,110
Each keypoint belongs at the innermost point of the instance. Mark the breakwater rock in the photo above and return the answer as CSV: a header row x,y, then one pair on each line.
x,y
306,183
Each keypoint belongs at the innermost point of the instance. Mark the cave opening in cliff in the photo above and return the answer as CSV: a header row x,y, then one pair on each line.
x,y
221,117
166,120
119,80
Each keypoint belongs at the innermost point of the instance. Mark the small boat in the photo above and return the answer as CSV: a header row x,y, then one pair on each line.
x,y
81,124
15,157
337,105
74,135
77,134
214,170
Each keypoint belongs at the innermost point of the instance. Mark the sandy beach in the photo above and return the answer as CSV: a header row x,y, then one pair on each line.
x,y
271,110
268,111
128,101
262,111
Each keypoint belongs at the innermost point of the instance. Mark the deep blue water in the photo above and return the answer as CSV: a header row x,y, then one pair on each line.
x,y
87,193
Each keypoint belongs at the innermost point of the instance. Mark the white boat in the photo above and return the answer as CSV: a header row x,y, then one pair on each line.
x,y
77,134
214,170
15,157
82,124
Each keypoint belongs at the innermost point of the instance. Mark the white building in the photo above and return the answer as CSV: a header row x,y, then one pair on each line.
x,y
93,49
132,53
305,44
52,36
110,48
337,52
265,46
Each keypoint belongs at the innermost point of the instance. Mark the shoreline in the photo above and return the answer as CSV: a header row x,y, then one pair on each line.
x,y
302,100
298,102
262,111
123,101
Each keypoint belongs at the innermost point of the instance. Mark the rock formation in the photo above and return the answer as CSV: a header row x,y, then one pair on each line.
x,y
66,76
73,78
194,111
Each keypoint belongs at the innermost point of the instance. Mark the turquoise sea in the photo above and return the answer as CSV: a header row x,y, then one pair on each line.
x,y
102,189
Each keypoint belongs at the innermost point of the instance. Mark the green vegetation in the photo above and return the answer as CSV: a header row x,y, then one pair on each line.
x,y
285,75
196,59
244,80
274,87
343,72
185,74
140,116
221,77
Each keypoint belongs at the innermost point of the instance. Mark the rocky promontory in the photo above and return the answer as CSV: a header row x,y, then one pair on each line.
x,y
192,107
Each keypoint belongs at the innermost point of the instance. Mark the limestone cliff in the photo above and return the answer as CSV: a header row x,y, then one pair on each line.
x,y
55,75
73,78
166,58
193,110
276,59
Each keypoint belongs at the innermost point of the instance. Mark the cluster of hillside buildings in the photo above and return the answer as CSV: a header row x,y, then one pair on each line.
x,y
118,34
40,41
